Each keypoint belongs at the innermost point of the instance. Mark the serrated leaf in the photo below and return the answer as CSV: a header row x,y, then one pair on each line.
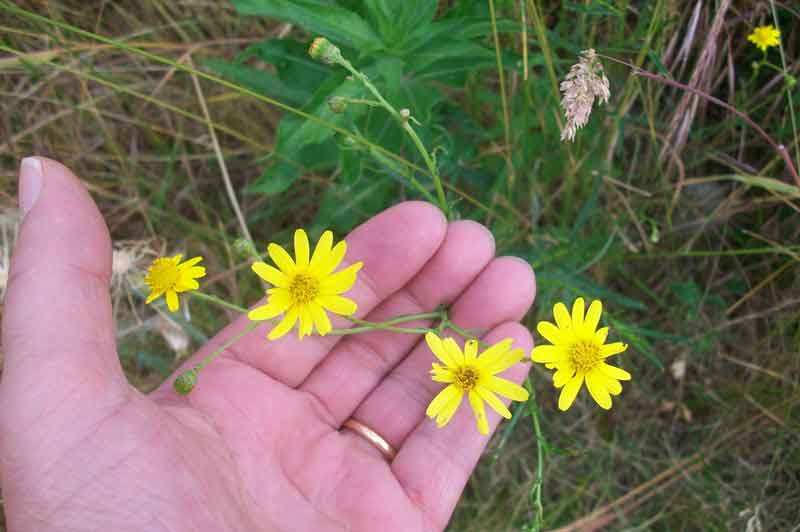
x,y
341,26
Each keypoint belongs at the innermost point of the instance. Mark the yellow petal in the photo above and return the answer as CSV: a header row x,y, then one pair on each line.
x,y
441,400
437,348
440,374
476,403
322,251
562,376
547,353
186,284
577,314
338,304
271,275
595,382
569,392
172,300
504,362
562,316
154,294
265,312
341,281
601,335
612,349
496,351
189,263
330,262
493,401
613,386
593,316
449,409
453,351
614,372
281,258
470,350
284,326
301,249
195,272
306,325
280,296
506,388
552,333
321,320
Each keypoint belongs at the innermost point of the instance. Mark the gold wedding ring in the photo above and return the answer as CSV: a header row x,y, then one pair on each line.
x,y
371,436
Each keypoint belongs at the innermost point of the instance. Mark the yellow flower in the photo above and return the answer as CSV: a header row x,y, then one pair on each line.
x,y
170,276
304,289
765,36
474,375
578,354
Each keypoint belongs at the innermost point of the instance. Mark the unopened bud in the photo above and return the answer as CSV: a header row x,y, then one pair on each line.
x,y
323,50
185,382
244,248
405,114
337,104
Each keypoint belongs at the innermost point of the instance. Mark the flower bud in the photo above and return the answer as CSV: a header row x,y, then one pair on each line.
x,y
405,114
244,248
323,50
337,104
185,382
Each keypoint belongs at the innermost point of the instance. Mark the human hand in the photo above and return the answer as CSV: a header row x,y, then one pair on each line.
x,y
256,445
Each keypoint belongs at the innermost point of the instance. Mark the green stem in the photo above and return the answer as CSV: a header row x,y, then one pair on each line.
x,y
217,301
214,354
785,72
388,324
429,162
503,99
536,490
463,332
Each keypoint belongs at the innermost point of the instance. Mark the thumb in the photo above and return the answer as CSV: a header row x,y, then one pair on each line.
x,y
57,332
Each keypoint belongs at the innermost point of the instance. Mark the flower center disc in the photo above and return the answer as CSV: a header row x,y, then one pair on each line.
x,y
163,276
304,288
584,355
466,378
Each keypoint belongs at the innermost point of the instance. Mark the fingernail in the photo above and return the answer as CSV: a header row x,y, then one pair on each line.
x,y
31,176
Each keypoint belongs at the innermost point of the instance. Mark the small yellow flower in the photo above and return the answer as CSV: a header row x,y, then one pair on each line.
x,y
578,354
765,36
169,276
474,375
304,289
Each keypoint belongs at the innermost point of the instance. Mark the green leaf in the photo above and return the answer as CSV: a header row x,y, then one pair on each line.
x,y
341,26
261,81
313,133
351,163
396,21
292,64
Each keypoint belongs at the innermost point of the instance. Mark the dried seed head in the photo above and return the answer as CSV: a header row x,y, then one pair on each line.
x,y
584,82
173,334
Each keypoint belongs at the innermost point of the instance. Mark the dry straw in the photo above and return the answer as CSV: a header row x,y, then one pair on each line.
x,y
584,82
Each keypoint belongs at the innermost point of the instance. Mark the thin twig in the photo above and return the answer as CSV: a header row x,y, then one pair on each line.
x,y
223,167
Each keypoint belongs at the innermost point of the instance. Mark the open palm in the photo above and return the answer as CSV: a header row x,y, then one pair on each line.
x,y
257,445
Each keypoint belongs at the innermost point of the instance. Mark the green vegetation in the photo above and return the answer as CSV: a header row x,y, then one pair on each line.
x,y
671,208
